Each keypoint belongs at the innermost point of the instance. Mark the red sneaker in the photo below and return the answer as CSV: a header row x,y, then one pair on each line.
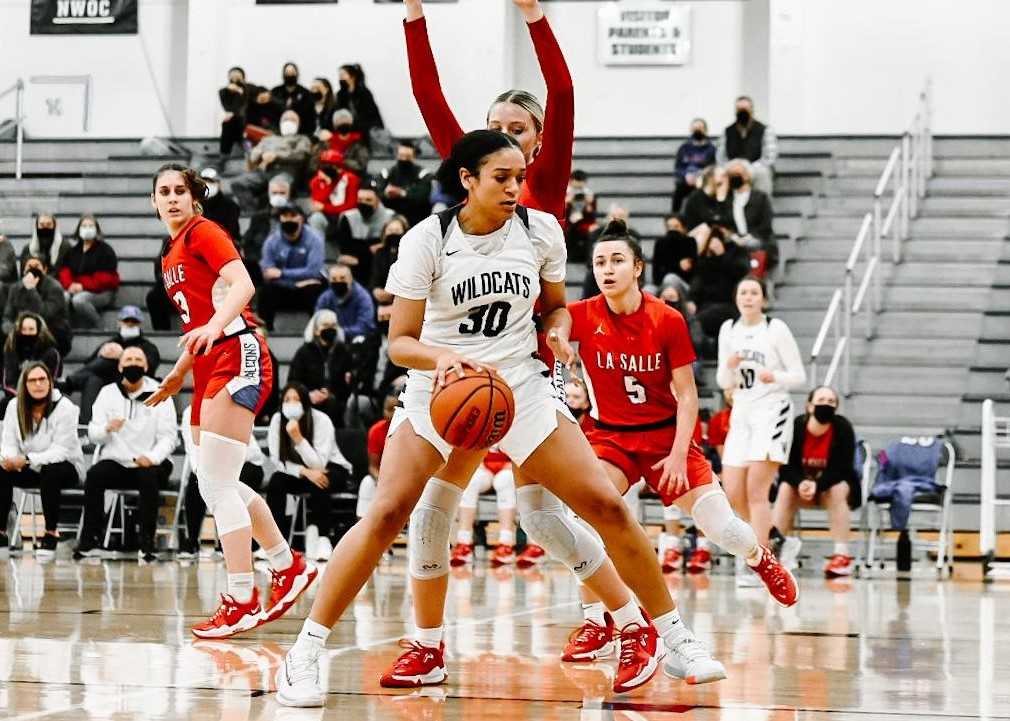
x,y
503,555
641,651
231,617
531,556
838,565
287,585
590,641
700,561
777,578
671,560
462,554
417,666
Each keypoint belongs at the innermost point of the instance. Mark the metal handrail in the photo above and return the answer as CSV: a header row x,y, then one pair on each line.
x,y
892,162
19,123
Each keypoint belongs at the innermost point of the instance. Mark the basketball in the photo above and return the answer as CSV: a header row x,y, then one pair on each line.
x,y
473,411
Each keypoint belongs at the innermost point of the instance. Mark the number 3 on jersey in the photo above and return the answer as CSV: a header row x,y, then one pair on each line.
x,y
180,300
635,390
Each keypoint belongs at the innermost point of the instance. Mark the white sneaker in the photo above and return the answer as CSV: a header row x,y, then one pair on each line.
x,y
688,659
789,555
745,578
298,682
324,549
311,541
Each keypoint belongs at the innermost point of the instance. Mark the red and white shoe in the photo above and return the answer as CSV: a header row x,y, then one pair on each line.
x,y
671,560
287,585
777,579
641,651
462,554
532,555
838,565
231,617
417,666
700,561
503,555
590,641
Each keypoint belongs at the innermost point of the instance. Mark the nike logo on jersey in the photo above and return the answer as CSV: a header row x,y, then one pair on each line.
x,y
453,252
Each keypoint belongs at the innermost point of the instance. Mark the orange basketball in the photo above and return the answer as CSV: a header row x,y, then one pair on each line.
x,y
473,411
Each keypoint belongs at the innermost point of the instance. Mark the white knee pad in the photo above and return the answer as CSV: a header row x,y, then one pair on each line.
x,y
479,482
566,539
218,470
505,489
714,516
428,541
247,494
366,492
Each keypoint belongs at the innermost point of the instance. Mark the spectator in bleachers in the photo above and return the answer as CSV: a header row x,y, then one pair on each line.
x,y
251,475
334,190
709,203
387,254
39,448
102,367
721,265
377,443
355,96
819,474
40,293
90,274
718,428
323,103
676,293
289,152
303,446
321,364
290,95
752,140
273,401
752,209
8,268
580,212
263,114
350,300
27,342
675,253
406,185
235,98
359,229
136,443
350,142
694,155
218,206
264,221
46,242
293,266
615,212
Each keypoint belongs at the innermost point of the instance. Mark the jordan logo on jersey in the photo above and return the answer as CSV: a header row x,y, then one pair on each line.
x,y
629,362
496,282
599,330
174,276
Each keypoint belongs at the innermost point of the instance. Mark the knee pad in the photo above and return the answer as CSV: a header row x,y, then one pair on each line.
x,y
366,492
505,490
428,535
714,516
565,538
218,470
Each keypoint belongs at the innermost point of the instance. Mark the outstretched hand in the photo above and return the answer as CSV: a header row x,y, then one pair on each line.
x,y
530,9
415,11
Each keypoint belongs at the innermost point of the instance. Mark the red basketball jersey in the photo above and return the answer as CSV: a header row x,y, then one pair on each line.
x,y
191,268
629,359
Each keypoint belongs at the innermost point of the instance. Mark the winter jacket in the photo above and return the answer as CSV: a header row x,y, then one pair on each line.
x,y
54,253
693,157
47,299
95,269
300,100
314,453
906,470
224,211
54,441
355,235
317,367
362,105
355,313
150,432
302,260
293,154
14,361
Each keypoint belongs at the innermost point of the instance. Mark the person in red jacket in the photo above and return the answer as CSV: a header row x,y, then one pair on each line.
x,y
334,189
90,274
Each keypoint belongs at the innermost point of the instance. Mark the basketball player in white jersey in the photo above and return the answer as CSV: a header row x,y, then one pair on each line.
x,y
759,359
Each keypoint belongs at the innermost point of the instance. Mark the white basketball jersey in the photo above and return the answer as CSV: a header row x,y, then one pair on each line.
x,y
767,345
480,290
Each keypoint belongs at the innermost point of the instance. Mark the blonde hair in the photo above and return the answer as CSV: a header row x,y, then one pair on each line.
x,y
525,100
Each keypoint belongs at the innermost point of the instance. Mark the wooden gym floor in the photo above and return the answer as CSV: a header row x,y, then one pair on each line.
x,y
110,640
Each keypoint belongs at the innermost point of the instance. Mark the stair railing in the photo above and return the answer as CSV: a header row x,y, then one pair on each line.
x,y
19,122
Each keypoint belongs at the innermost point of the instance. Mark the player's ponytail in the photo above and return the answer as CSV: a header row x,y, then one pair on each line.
x,y
194,183
470,153
617,229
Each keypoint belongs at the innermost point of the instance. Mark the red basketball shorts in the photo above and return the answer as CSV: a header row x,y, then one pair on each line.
x,y
242,365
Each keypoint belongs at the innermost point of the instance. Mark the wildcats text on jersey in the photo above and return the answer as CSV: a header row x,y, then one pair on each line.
x,y
495,282
629,362
754,356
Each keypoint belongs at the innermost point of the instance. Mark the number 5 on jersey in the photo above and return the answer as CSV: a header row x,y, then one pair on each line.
x,y
635,390
180,300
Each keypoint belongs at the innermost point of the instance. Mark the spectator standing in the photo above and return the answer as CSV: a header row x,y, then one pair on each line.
x,y
752,140
675,253
387,254
694,154
292,263
359,229
580,212
323,102
218,206
290,95
350,142
334,190
289,152
322,363
46,242
39,449
8,268
136,442
355,96
40,293
350,300
29,341
406,185
235,98
708,204
90,274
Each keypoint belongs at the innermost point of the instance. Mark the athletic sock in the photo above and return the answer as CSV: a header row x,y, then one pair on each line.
x,y
670,627
667,541
311,638
507,538
428,637
594,612
753,559
628,613
240,586
701,543
841,549
464,537
279,556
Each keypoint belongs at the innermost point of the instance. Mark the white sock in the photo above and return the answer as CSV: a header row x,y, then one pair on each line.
x,y
754,559
311,638
594,612
506,538
670,627
702,543
667,541
841,549
279,556
240,586
464,537
428,637
628,613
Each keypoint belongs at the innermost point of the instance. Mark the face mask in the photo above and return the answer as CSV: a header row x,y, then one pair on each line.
x,y
290,227
824,413
87,232
25,343
36,272
278,200
343,129
129,331
132,374
393,240
577,412
317,95
46,234
340,289
344,85
367,211
736,182
236,81
213,189
289,128
328,335
673,304
404,166
698,135
742,117
290,80
292,411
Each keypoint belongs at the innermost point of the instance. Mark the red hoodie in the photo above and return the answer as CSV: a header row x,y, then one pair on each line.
x,y
335,195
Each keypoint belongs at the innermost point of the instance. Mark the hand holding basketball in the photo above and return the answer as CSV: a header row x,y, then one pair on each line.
x,y
450,362
473,410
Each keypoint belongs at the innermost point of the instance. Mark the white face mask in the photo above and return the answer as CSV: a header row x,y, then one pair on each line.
x,y
289,127
87,232
212,189
129,331
277,200
292,411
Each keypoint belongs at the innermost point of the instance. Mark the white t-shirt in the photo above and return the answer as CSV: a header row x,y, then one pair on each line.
x,y
766,345
480,290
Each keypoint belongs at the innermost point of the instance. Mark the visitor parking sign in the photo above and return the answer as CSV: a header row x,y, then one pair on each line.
x,y
654,33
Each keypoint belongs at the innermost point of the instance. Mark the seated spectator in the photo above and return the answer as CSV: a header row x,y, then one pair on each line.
x,y
819,473
218,206
708,204
406,185
677,294
264,221
359,229
46,242
334,190
387,254
235,98
376,444
694,154
263,114
355,96
290,95
580,212
273,401
721,265
90,274
752,209
102,367
292,263
321,364
135,445
40,293
349,142
351,302
251,475
289,152
28,341
39,448
303,446
615,212
323,103
8,268
675,253
752,140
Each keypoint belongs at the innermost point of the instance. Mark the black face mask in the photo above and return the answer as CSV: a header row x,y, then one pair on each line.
x,y
340,288
290,81
824,413
235,81
46,235
393,240
577,412
25,343
698,135
328,335
290,227
317,95
743,117
675,304
344,85
404,166
343,129
132,374
36,272
366,210
735,182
